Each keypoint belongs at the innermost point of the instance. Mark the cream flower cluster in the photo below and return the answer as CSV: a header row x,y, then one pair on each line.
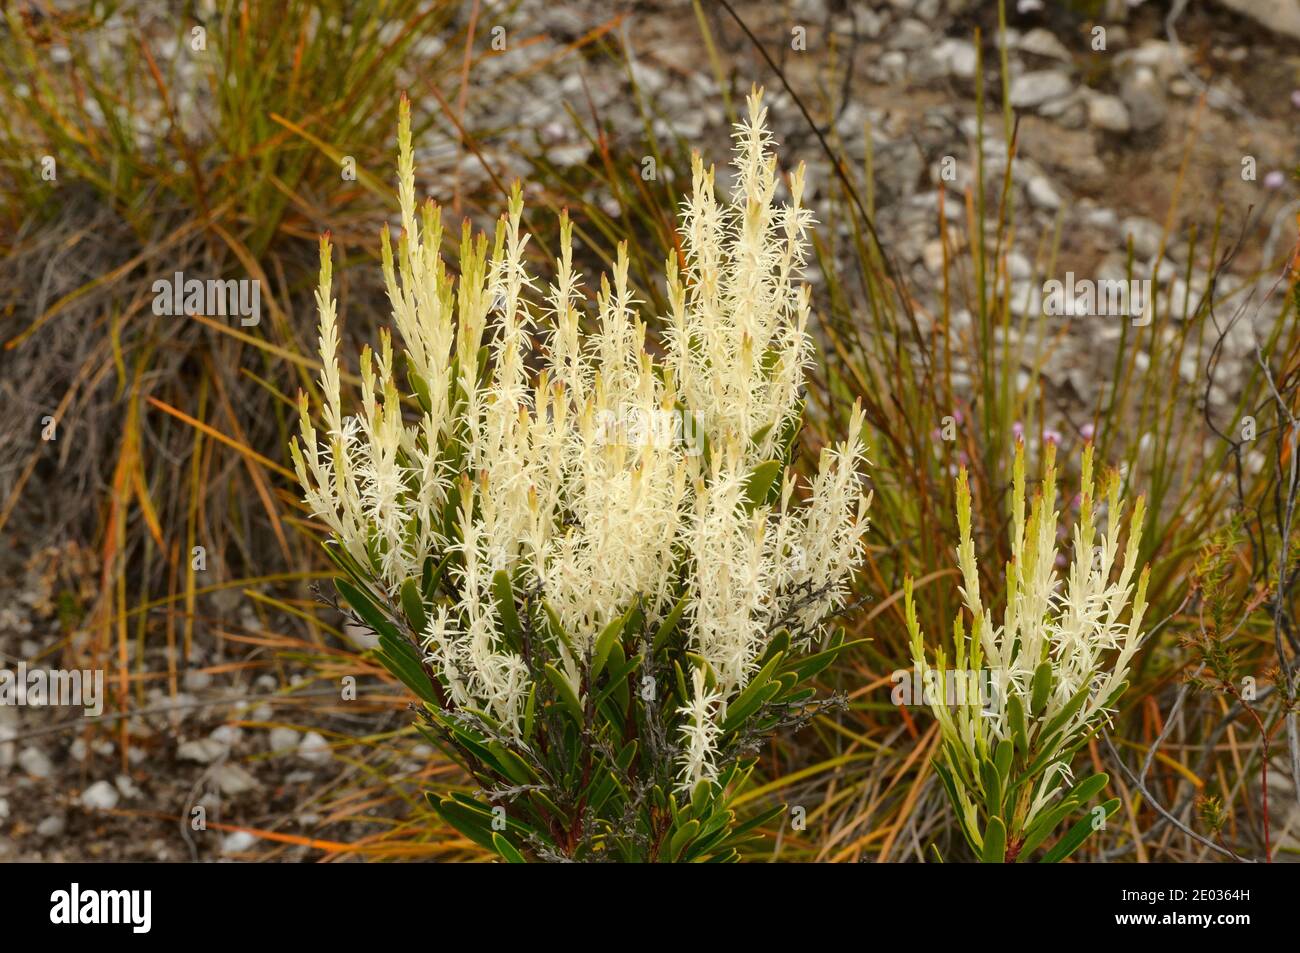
x,y
593,471
1076,628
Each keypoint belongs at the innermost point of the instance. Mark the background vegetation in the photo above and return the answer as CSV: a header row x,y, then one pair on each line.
x,y
171,432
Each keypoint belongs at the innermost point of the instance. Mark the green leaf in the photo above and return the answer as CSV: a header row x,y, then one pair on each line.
x,y
760,820
557,629
514,767
1043,826
410,674
476,825
1016,714
1088,788
680,680
618,675
1040,687
567,698
367,610
413,606
810,666
687,833
506,849
1077,834
505,600
604,642
1002,761
700,798
758,485
1065,714
747,702
995,842
669,625
418,386
530,712
992,785
341,558
433,575
779,642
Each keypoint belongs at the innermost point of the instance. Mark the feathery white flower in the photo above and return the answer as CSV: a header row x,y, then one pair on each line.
x,y
559,452
1060,656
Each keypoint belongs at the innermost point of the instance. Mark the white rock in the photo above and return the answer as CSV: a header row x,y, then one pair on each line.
x,y
1069,111
227,735
126,786
1146,235
283,739
1029,90
233,780
1280,16
314,749
1099,218
1042,193
1144,95
52,826
894,66
911,35
957,57
202,751
869,23
237,842
35,762
1042,42
4,809
100,796
1160,55
1108,113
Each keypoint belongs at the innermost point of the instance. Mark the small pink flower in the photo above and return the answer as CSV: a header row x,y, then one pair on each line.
x,y
1060,561
935,435
958,417
1087,431
1295,98
1052,436
1274,180
962,459
1018,430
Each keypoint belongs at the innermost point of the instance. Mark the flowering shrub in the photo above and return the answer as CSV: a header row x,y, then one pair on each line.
x,y
1056,664
591,562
